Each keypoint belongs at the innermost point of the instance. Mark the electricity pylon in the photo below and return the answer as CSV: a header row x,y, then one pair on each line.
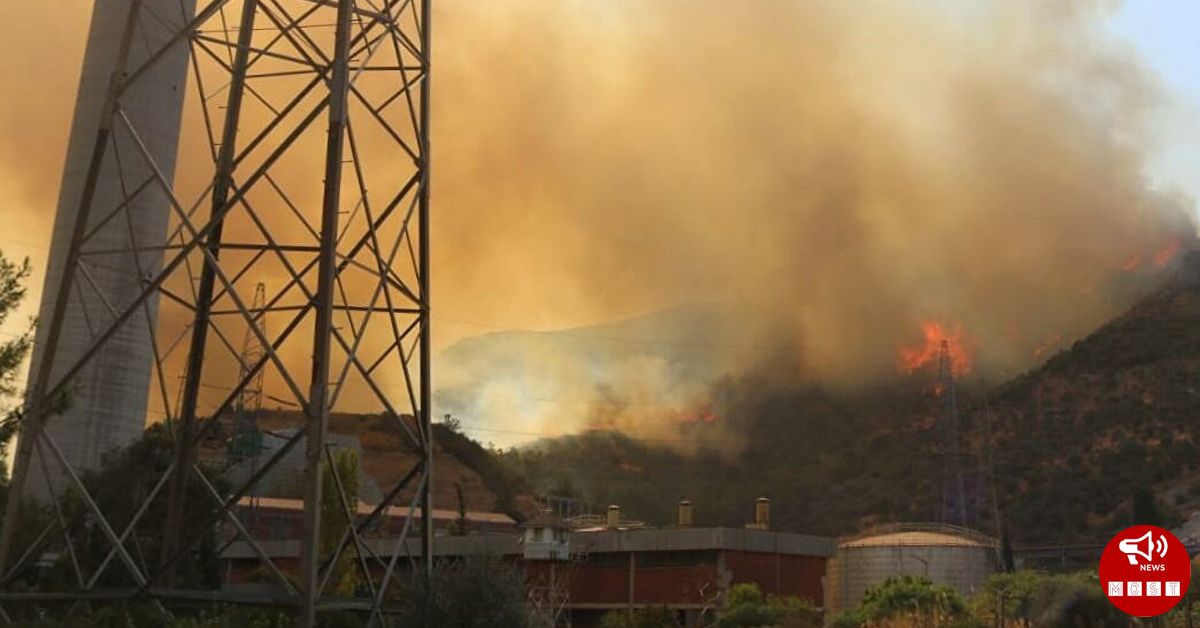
x,y
312,122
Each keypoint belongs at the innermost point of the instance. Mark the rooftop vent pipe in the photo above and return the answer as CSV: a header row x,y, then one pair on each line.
x,y
614,517
684,517
762,513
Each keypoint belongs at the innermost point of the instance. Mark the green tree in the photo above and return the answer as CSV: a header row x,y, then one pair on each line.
x,y
1187,613
1030,598
1073,600
123,481
1145,508
333,516
746,606
1007,597
13,350
846,619
146,615
468,593
649,617
912,598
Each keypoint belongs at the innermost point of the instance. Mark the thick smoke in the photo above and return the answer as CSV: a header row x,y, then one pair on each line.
x,y
832,174
836,173
35,120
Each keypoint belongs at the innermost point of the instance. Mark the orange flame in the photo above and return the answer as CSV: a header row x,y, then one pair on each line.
x,y
1049,344
913,358
1163,256
703,415
1160,258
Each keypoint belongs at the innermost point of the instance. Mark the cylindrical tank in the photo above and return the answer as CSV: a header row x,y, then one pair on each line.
x,y
950,555
108,398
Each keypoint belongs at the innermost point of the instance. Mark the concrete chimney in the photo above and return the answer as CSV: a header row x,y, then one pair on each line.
x,y
684,518
614,517
109,395
762,513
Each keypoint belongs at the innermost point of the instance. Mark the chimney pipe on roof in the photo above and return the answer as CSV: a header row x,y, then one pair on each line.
x,y
614,517
762,513
684,518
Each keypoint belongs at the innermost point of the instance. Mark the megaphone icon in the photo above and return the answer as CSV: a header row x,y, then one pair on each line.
x,y
1153,546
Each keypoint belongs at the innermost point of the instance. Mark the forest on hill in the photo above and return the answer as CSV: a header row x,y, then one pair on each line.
x,y
1100,434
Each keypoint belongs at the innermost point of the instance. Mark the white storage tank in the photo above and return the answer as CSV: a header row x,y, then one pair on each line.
x,y
950,555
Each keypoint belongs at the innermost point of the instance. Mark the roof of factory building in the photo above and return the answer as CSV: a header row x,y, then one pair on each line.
x,y
364,509
472,545
599,542
546,520
675,539
918,534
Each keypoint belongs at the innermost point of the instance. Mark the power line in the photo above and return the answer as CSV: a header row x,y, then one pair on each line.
x,y
572,333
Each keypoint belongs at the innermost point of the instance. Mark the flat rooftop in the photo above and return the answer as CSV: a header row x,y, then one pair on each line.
x,y
598,542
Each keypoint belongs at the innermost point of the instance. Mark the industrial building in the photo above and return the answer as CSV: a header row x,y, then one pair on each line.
x,y
579,568
279,518
945,554
576,574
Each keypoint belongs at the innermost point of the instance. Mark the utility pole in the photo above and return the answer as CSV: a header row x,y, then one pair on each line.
x,y
426,374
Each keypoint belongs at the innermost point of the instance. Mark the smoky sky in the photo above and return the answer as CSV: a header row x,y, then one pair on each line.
x,y
840,171
833,173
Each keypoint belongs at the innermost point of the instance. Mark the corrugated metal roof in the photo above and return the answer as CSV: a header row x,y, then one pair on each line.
x,y
673,539
474,545
364,509
605,541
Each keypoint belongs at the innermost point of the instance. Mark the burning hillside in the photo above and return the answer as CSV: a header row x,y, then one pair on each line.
x,y
1072,442
936,335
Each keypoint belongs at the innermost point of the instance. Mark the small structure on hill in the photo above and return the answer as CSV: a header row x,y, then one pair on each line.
x,y
546,537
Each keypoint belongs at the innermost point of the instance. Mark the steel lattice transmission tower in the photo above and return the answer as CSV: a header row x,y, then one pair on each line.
x,y
302,159
954,496
245,439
